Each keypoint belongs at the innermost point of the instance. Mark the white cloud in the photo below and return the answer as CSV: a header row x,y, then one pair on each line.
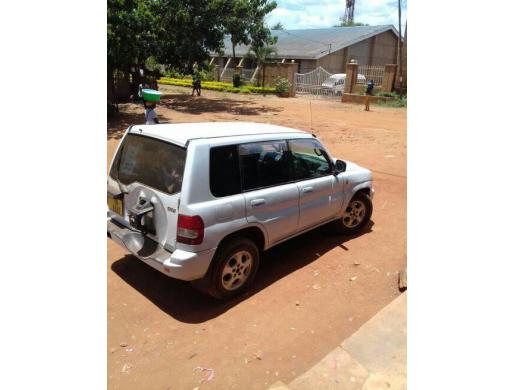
x,y
297,14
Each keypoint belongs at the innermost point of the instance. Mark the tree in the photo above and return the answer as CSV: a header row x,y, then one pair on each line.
x,y
277,26
260,35
260,54
187,31
236,22
178,33
242,16
130,39
349,24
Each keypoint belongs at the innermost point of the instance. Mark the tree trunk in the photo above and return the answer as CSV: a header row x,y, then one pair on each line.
x,y
112,87
263,78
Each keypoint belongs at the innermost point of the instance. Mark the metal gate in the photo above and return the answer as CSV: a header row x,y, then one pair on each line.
x,y
310,84
370,72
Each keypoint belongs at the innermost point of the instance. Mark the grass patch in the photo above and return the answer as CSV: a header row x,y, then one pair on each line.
x,y
396,101
217,86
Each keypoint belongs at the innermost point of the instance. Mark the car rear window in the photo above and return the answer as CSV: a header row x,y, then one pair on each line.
x,y
224,172
149,161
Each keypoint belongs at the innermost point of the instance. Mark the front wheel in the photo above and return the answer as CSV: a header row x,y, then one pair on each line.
x,y
233,269
356,215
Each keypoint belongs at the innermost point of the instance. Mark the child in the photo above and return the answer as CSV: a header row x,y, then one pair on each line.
x,y
150,114
140,91
196,87
368,93
197,83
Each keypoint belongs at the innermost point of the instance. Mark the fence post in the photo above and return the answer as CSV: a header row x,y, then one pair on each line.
x,y
390,71
351,77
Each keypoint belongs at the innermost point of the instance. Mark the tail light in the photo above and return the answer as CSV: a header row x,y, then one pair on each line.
x,y
190,230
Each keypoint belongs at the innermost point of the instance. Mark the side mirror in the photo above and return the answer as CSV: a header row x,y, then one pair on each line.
x,y
340,166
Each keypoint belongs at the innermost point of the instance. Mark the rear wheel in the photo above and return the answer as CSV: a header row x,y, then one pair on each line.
x,y
356,215
232,270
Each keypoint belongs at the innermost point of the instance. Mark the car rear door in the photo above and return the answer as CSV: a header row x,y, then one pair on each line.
x,y
318,201
271,200
148,169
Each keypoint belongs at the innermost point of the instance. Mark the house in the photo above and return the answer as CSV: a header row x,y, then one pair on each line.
x,y
330,48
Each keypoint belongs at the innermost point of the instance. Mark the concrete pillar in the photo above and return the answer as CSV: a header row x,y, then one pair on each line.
x,y
287,70
390,72
351,77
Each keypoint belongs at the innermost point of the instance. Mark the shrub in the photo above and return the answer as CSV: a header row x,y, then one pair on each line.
x,y
397,101
174,73
282,85
388,94
236,80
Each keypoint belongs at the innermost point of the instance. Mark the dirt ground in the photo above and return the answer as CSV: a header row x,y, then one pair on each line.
x,y
303,303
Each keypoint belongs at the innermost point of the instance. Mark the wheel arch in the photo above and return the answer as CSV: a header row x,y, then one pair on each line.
x,y
364,187
365,190
253,233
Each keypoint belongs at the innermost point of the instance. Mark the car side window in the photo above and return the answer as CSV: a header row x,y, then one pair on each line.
x,y
309,159
264,164
224,171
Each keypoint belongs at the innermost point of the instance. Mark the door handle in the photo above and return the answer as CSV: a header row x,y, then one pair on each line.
x,y
257,202
307,190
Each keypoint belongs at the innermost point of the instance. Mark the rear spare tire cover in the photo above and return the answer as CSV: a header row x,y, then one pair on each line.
x,y
159,213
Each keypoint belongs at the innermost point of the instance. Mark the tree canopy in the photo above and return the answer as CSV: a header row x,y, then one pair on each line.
x,y
178,33
244,19
277,26
130,36
349,24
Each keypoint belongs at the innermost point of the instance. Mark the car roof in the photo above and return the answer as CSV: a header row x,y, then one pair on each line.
x,y
182,133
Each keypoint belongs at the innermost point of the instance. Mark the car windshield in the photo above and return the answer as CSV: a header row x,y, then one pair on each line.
x,y
332,81
149,161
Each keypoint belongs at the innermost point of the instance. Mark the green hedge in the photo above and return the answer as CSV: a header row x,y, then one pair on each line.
x,y
216,86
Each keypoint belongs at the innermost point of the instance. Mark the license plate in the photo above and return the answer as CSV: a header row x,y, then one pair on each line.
x,y
115,205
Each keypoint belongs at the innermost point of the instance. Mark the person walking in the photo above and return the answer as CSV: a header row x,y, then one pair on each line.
x,y
150,114
141,87
197,81
368,93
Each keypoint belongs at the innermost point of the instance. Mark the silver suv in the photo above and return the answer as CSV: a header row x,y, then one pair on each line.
x,y
201,201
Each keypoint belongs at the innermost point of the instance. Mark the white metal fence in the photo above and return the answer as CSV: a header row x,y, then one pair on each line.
x,y
370,72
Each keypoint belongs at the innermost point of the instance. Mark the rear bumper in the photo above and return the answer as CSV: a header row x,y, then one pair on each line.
x,y
179,264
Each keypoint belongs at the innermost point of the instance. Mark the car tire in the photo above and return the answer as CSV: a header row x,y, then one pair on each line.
x,y
232,269
356,216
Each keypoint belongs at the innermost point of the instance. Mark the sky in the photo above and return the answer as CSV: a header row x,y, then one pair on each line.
x,y
298,14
